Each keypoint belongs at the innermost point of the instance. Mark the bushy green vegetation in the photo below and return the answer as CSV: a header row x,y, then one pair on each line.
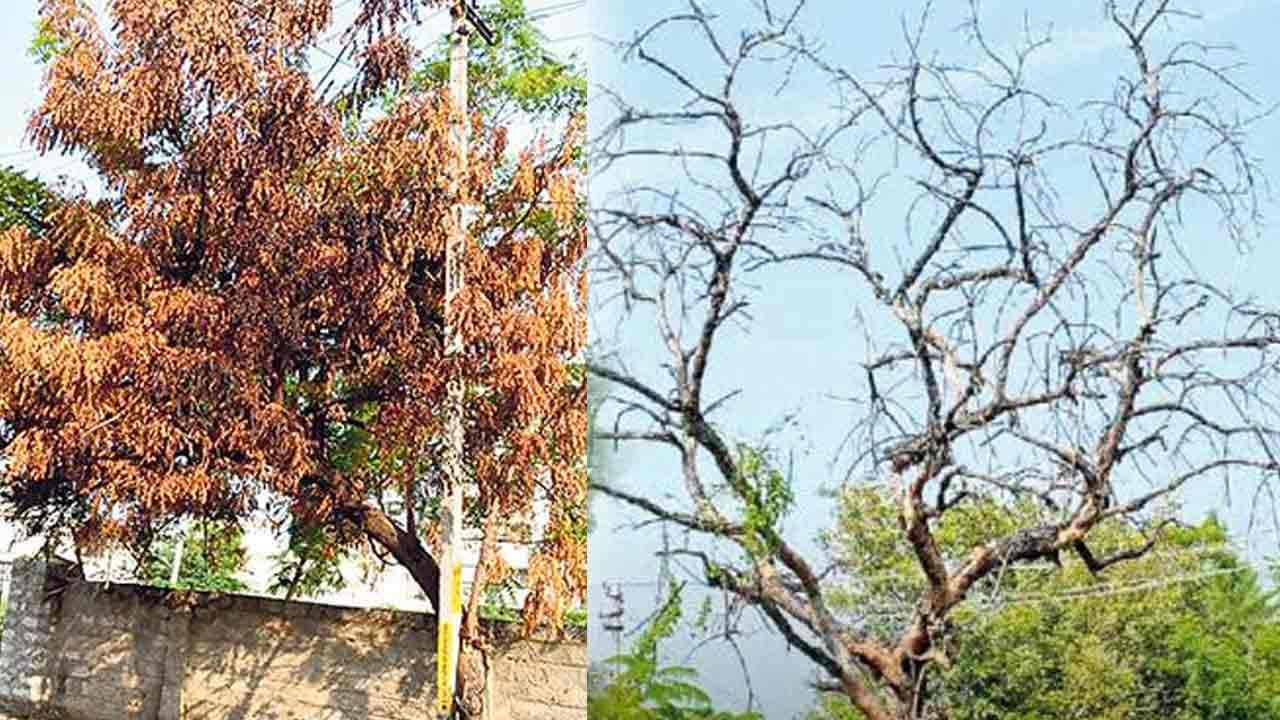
x,y
1187,632
518,76
638,686
23,200
213,556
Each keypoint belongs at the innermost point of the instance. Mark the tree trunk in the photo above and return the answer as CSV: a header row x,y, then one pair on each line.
x,y
406,549
488,546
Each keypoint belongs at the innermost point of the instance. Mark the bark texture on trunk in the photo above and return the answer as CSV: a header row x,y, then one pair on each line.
x,y
488,547
406,549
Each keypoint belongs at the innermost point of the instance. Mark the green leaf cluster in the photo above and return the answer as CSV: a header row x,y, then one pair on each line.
x,y
768,498
309,563
46,45
640,687
518,75
23,200
213,556
867,542
1187,632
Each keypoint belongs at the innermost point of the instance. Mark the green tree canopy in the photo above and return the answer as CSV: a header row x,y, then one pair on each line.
x,y
1186,632
517,77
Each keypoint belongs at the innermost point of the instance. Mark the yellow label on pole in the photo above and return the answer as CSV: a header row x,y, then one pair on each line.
x,y
444,668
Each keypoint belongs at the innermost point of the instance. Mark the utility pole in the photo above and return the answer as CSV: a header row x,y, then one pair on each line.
x,y
179,548
665,578
612,619
449,614
175,570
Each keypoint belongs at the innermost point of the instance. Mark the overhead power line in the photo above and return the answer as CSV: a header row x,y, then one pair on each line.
x,y
1079,593
1119,588
18,153
553,9
570,38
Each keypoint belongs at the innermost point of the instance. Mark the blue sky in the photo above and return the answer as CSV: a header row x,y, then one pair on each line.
x,y
803,345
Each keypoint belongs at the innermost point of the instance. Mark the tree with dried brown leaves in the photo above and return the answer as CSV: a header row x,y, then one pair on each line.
x,y
251,318
1025,345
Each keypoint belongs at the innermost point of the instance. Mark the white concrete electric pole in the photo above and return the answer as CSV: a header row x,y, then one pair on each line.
x,y
449,614
612,619
179,550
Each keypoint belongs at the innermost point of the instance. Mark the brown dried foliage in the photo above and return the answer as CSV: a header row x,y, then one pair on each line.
x,y
258,278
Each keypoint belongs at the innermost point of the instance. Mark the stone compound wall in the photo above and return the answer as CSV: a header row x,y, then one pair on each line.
x,y
88,651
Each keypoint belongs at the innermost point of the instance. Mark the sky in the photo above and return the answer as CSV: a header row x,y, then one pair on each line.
x,y
801,351
565,23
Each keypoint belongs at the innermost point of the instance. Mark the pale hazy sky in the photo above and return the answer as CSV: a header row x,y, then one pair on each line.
x,y
566,24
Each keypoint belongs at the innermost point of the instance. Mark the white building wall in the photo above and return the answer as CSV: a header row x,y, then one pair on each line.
x,y
367,582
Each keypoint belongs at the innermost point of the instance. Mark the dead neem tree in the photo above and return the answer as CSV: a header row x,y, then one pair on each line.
x,y
1040,327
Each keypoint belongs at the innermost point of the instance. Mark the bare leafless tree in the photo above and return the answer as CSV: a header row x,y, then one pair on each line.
x,y
1044,332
